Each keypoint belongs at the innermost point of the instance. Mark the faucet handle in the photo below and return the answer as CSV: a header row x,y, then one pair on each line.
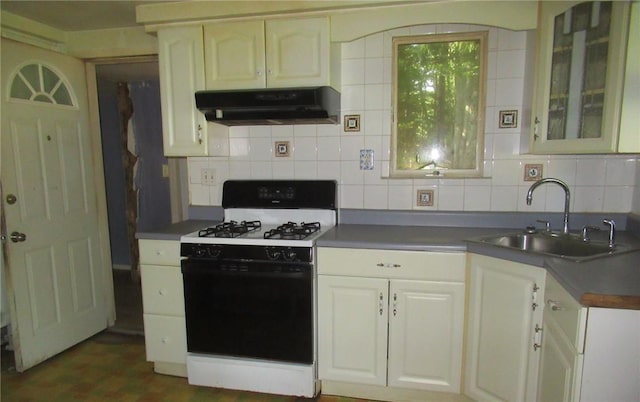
x,y
612,231
585,232
547,225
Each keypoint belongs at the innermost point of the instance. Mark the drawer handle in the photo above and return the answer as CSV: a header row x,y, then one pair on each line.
x,y
554,305
388,265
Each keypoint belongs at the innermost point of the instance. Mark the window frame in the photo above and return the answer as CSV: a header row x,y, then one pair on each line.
x,y
483,38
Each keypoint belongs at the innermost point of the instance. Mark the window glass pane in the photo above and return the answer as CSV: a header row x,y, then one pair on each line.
x,y
49,79
32,76
19,89
62,96
43,98
438,92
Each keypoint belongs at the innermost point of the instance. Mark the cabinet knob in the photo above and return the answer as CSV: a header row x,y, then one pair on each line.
x,y
162,292
165,340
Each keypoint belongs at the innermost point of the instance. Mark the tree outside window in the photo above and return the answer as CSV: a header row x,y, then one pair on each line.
x,y
439,83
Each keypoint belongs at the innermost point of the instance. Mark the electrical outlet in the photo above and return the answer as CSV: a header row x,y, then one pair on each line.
x,y
366,159
165,170
208,176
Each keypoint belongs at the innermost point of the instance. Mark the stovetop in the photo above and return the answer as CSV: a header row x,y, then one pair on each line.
x,y
292,234
289,213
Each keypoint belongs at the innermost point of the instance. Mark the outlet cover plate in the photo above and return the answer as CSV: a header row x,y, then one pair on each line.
x,y
366,159
208,176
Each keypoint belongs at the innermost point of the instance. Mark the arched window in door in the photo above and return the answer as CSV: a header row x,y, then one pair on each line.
x,y
37,82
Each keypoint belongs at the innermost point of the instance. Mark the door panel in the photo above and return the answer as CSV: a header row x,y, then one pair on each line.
x,y
55,275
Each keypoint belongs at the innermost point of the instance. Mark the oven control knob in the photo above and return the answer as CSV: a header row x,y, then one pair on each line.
x,y
214,252
290,255
199,251
273,254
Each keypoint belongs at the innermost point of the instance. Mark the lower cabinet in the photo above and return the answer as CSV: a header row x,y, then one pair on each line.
x,y
163,306
391,319
588,354
504,329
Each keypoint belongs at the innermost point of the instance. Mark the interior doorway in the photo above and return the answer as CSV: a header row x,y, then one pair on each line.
x,y
136,174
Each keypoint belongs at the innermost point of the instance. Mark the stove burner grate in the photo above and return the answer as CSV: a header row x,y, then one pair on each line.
x,y
293,231
230,229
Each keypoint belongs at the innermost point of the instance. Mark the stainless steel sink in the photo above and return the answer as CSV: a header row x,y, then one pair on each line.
x,y
556,245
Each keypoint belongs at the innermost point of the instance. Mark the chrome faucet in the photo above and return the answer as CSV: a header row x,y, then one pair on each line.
x,y
567,196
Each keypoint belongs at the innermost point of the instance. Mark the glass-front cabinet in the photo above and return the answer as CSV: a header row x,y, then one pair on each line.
x,y
580,76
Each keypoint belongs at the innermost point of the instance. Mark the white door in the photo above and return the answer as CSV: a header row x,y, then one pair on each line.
x,y
505,306
425,335
55,266
352,329
235,55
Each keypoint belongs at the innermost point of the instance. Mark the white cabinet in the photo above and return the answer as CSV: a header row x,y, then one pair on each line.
x,y
163,306
505,304
588,354
580,76
352,322
274,53
562,345
391,318
181,65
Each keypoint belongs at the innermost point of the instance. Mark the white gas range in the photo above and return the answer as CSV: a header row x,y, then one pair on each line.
x,y
250,287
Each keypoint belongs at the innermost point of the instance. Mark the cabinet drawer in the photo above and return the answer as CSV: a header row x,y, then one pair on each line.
x,y
162,290
433,266
569,315
159,252
165,339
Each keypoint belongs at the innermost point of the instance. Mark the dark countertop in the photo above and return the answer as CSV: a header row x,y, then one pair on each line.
x,y
604,282
175,230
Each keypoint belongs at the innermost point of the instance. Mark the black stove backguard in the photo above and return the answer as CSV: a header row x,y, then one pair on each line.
x,y
301,194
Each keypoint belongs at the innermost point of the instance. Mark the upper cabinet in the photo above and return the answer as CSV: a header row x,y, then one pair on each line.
x,y
274,53
181,65
579,85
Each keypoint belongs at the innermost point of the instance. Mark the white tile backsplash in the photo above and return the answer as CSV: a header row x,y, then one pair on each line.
x,y
598,183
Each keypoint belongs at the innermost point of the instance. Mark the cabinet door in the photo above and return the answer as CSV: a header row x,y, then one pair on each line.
x,y
559,379
505,305
297,52
580,61
425,335
181,65
235,55
352,329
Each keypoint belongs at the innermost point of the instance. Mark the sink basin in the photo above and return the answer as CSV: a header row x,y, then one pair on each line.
x,y
562,246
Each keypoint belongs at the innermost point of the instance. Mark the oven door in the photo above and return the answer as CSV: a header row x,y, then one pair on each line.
x,y
259,310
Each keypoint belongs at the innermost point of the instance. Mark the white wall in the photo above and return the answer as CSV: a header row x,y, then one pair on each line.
x,y
598,183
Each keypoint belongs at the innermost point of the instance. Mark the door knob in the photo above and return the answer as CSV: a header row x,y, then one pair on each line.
x,y
11,199
18,237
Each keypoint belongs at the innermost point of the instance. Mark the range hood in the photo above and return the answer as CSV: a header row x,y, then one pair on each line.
x,y
309,105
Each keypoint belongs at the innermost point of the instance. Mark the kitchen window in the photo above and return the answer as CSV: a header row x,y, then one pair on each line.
x,y
438,102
